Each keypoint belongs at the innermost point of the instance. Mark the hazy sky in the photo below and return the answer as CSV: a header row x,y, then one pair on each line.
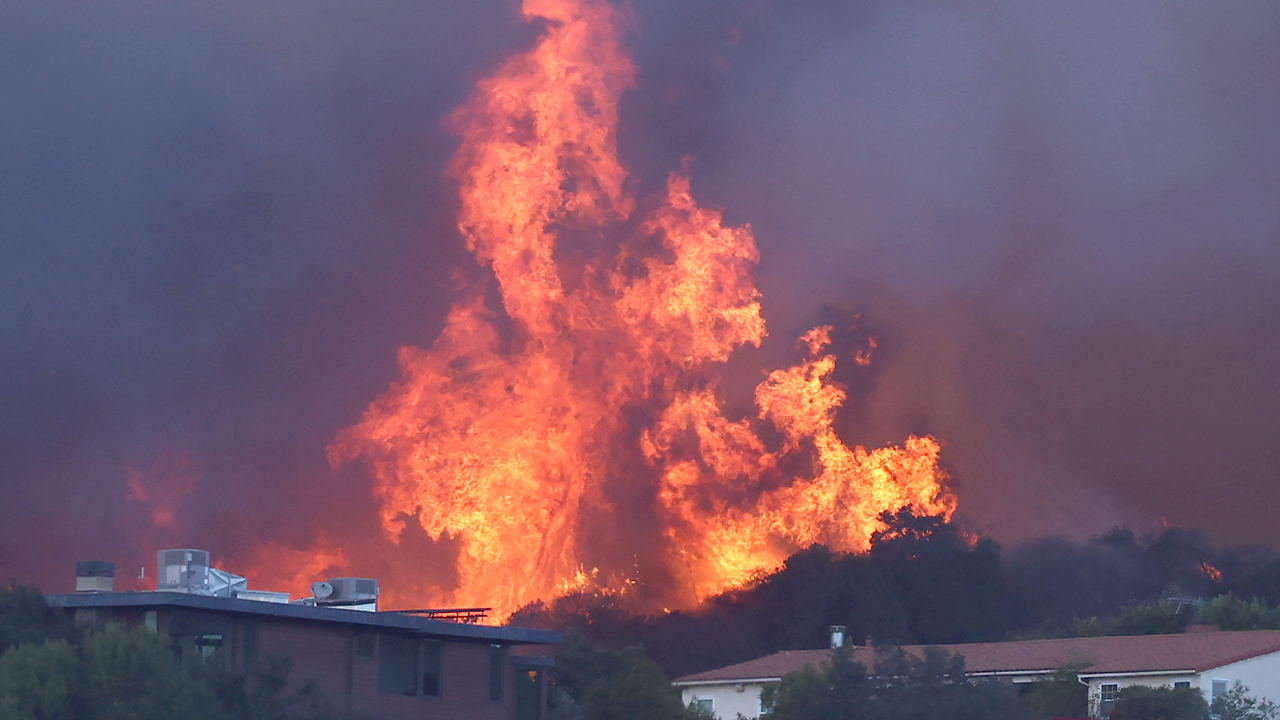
x,y
1061,222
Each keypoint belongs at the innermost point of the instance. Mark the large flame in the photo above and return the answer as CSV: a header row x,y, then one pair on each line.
x,y
535,439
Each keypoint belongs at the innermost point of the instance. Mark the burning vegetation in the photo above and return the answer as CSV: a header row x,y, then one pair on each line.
x,y
573,436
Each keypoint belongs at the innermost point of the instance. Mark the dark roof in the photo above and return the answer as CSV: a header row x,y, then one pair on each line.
x,y
1190,653
377,620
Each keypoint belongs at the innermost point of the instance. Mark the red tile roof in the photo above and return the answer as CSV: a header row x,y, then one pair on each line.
x,y
1193,652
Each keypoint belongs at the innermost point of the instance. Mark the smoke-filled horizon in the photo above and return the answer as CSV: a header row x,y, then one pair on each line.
x,y
219,224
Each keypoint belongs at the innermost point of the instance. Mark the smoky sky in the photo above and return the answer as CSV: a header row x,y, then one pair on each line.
x,y
219,221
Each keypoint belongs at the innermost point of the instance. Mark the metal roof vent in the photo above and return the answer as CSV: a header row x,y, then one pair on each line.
x,y
95,576
837,636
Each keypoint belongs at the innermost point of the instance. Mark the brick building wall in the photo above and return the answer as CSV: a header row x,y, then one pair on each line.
x,y
387,672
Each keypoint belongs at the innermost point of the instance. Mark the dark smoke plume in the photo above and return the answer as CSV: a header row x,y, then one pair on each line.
x,y
219,222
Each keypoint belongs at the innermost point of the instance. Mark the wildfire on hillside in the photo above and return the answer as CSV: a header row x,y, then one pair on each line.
x,y
574,439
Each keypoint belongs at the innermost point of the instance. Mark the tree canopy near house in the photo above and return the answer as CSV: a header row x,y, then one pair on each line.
x,y
52,670
1238,704
114,674
26,618
1060,696
595,683
1139,702
906,688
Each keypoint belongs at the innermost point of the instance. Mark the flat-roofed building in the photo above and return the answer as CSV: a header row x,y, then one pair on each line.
x,y
389,665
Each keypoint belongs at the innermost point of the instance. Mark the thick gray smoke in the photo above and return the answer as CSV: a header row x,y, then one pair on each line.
x,y
1059,220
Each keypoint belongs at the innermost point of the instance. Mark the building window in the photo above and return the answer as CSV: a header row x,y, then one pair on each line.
x,y
432,662
248,644
364,645
1182,684
1109,692
497,664
1219,689
529,695
397,665
704,704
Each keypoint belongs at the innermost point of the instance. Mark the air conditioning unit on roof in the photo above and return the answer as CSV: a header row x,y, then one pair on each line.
x,y
187,570
348,592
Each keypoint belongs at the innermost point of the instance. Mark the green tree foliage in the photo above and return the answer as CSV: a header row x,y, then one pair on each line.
x,y
25,618
118,674
264,694
905,688
1149,618
134,675
37,682
1157,617
1238,704
114,675
596,683
1061,696
1229,612
1138,702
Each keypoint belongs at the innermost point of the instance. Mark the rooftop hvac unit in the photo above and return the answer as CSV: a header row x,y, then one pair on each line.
x,y
187,570
95,576
349,592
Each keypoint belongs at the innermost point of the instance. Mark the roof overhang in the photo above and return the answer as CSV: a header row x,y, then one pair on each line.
x,y
385,621
1133,673
734,681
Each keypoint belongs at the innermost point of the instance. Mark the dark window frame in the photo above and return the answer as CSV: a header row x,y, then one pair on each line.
x,y
529,680
429,650
391,678
497,671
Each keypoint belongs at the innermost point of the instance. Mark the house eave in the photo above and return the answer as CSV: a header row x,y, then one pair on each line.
x,y
732,681
1134,673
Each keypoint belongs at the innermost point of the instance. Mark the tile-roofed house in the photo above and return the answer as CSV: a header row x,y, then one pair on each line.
x,y
1210,661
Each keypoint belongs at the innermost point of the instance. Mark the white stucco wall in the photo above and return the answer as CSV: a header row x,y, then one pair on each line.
x,y
727,700
1260,674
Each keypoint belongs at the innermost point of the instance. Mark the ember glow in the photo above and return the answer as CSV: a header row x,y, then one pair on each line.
x,y
574,439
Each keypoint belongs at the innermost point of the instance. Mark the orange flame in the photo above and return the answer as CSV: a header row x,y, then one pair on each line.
x,y
598,410
1211,572
276,566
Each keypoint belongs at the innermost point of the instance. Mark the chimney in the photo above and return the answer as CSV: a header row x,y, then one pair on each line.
x,y
837,636
95,576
